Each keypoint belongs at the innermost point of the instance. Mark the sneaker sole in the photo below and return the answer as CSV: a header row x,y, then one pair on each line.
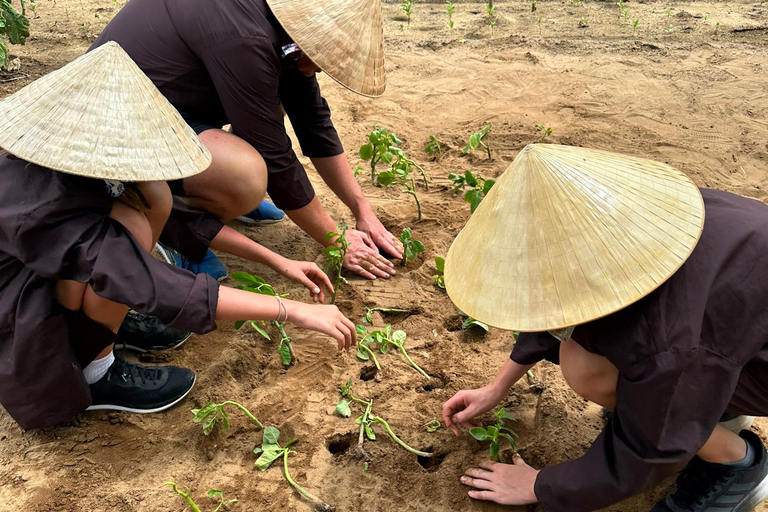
x,y
128,346
755,496
251,222
109,407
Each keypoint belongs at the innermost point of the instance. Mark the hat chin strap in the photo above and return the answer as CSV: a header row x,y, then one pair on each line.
x,y
563,334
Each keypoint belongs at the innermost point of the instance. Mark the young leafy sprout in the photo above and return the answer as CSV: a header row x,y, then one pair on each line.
x,y
494,433
379,148
433,148
368,318
213,494
270,450
480,188
367,420
470,322
400,174
432,426
476,140
364,351
212,413
257,284
334,256
634,25
440,276
411,247
450,10
406,7
13,25
384,339
491,9
545,131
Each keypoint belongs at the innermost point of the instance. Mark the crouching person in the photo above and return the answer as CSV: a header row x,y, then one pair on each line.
x,y
83,199
607,264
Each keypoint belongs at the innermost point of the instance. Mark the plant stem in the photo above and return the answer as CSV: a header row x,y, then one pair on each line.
x,y
410,361
398,440
186,497
373,356
363,420
409,190
246,412
316,502
487,149
423,174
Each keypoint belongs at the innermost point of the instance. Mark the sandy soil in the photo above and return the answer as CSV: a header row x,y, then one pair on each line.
x,y
693,95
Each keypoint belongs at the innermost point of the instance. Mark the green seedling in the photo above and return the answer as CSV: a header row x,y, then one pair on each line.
x,y
368,318
491,10
534,4
476,140
364,351
625,13
433,148
212,413
634,25
432,426
213,494
379,148
479,188
535,384
257,284
411,247
367,420
14,26
494,433
545,131
450,10
439,278
538,22
400,174
334,256
406,6
386,338
470,322
270,450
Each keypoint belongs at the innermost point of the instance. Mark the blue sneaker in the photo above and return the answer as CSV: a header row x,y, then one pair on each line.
x,y
210,265
266,213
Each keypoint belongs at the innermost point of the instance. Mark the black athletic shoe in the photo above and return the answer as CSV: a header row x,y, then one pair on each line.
x,y
707,487
144,333
143,389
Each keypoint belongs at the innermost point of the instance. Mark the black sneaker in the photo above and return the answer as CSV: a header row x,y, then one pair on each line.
x,y
144,333
707,487
142,389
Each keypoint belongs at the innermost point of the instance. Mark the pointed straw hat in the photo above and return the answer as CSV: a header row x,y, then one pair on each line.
x,y
101,117
345,38
568,235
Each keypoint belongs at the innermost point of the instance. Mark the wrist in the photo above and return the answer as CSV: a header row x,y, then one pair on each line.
x,y
362,210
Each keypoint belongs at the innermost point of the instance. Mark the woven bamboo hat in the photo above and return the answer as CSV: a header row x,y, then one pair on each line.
x,y
101,117
568,235
345,38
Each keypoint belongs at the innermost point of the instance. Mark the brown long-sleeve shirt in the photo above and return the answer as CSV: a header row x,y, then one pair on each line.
x,y
55,226
220,61
693,349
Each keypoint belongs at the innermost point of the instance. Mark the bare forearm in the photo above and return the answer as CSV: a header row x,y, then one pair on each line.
x,y
509,374
313,220
337,174
232,242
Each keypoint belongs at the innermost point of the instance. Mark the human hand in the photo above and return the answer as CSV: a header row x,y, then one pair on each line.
x,y
363,257
307,274
465,405
505,484
373,227
324,319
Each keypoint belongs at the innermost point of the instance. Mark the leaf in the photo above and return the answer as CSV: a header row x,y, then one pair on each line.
x,y
285,354
387,157
333,251
418,246
487,186
16,25
271,436
432,426
494,450
492,430
360,329
267,458
248,279
203,412
239,324
398,336
330,235
369,433
406,235
343,409
208,424
214,493
485,130
508,416
470,179
259,329
509,438
224,418
359,420
361,353
366,151
478,433
409,252
440,264
474,197
386,178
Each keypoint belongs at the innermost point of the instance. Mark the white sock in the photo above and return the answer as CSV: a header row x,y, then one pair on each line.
x,y
98,368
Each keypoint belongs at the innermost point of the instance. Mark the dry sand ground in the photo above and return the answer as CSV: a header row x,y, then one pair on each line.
x,y
694,95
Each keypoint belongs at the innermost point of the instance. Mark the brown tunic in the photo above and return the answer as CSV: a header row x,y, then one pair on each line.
x,y
688,352
56,226
220,62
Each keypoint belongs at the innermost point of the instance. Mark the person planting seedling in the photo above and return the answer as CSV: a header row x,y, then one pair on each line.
x,y
367,420
411,247
334,257
494,433
386,338
677,359
212,413
476,141
270,451
213,494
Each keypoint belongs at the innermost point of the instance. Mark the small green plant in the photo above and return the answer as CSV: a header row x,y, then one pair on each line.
x,y
433,148
450,10
634,25
491,10
479,187
545,131
213,494
494,433
411,247
625,13
257,284
538,22
379,148
406,6
364,351
432,426
534,5
584,23
384,339
476,140
212,413
470,322
334,256
368,318
270,450
440,276
14,26
400,174
367,420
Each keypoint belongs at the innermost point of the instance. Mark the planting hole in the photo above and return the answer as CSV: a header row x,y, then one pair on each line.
x,y
436,382
339,444
368,373
431,463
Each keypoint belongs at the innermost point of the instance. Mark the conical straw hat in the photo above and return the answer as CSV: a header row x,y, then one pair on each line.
x,y
345,38
101,117
568,235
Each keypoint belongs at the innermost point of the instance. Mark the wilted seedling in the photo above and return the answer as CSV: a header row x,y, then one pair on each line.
x,y
334,256
440,276
432,426
368,318
367,420
257,284
270,450
450,10
545,131
212,413
494,433
470,322
386,338
406,7
476,140
411,247
213,494
433,148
